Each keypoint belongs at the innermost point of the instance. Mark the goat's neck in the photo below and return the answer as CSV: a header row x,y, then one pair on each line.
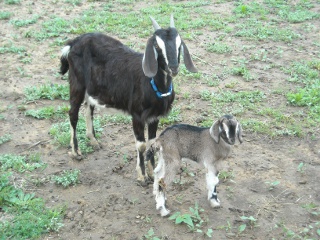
x,y
163,80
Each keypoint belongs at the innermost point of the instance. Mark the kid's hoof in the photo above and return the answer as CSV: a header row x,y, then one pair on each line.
x,y
214,203
164,212
75,156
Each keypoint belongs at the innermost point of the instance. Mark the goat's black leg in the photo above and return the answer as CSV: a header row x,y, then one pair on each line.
x,y
90,128
152,131
76,99
138,129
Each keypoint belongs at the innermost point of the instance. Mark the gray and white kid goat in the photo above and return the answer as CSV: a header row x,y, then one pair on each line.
x,y
104,72
204,145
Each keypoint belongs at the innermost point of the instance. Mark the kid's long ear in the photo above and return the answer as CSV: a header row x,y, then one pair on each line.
x,y
215,131
187,59
239,132
149,61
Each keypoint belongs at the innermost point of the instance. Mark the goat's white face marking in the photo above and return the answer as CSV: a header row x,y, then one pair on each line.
x,y
226,129
178,43
162,46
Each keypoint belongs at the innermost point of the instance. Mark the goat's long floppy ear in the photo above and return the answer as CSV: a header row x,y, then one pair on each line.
x,y
215,131
239,132
187,59
149,61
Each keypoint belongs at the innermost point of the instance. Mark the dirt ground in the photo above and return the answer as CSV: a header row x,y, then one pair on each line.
x,y
108,203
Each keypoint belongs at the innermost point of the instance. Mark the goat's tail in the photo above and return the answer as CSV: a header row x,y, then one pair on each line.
x,y
154,146
64,60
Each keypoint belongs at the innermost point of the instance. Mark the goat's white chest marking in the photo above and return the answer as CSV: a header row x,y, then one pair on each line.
x,y
94,102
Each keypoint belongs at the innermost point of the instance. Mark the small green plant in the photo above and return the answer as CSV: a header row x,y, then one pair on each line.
x,y
5,15
10,48
226,175
20,163
272,185
12,1
193,220
48,112
22,23
250,221
173,117
67,178
150,235
5,138
219,47
47,91
61,133
301,168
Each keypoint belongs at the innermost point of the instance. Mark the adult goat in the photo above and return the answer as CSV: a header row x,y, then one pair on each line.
x,y
104,72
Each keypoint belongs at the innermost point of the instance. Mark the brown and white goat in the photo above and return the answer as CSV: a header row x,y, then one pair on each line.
x,y
104,72
204,145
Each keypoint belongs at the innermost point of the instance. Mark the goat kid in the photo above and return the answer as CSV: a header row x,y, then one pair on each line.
x,y
204,145
104,72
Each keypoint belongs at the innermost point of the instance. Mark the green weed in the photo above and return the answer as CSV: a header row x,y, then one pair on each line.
x,y
12,49
5,15
272,185
23,23
10,2
249,221
67,178
117,118
5,138
48,112
20,163
28,217
150,235
173,117
193,220
47,91
218,47
61,133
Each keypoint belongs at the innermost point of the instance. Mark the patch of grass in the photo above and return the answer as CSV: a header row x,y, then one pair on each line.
x,y
26,22
173,117
67,178
11,2
253,29
48,112
4,15
20,163
12,49
5,138
218,47
23,215
47,91
118,119
61,133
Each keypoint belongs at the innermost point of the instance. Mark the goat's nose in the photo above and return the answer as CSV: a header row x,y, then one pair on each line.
x,y
174,70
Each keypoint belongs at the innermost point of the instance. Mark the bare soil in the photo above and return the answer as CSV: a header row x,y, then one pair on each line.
x,y
108,203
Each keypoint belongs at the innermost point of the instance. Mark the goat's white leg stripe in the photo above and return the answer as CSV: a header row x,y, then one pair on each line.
x,y
141,147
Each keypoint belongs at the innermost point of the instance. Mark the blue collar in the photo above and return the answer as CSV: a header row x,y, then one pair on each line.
x,y
159,94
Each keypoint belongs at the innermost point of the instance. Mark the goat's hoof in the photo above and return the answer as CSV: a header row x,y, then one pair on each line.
x,y
214,203
75,156
164,212
95,144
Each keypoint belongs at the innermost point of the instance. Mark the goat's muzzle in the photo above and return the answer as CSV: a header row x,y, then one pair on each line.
x,y
174,71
